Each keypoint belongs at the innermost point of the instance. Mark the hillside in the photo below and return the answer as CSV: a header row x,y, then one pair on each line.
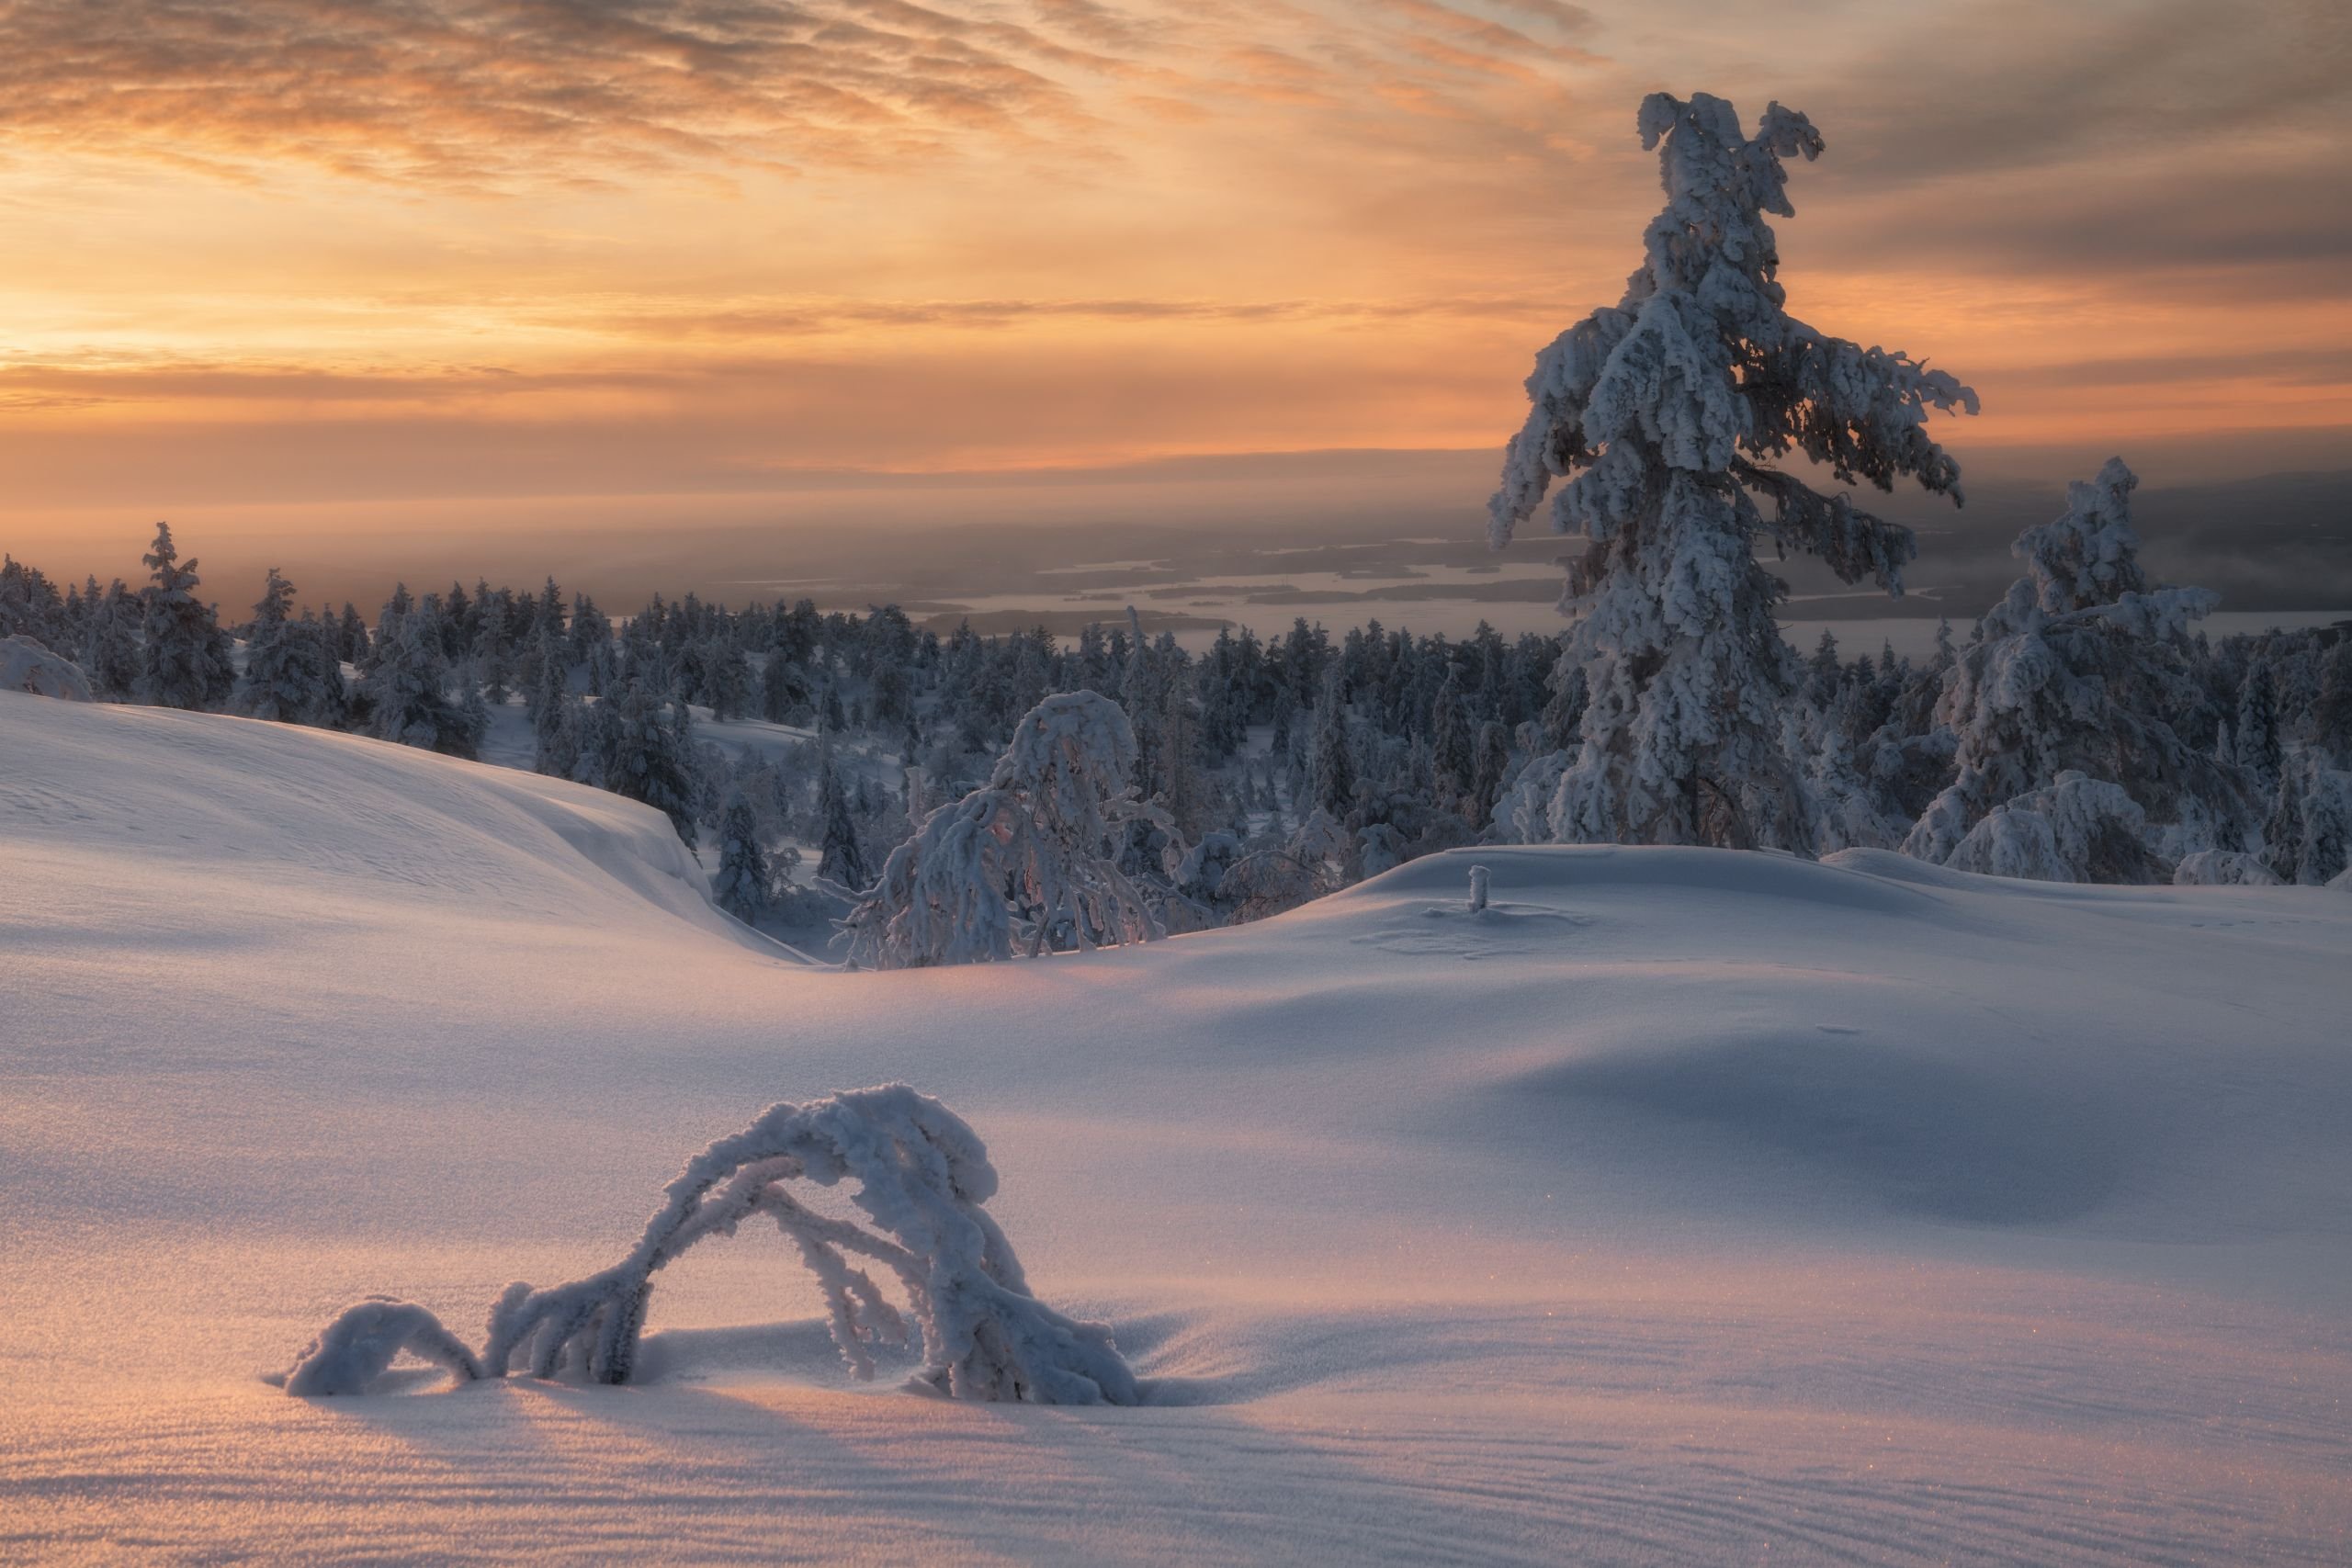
x,y
1684,1204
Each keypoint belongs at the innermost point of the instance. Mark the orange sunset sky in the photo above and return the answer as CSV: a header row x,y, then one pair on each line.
x,y
325,264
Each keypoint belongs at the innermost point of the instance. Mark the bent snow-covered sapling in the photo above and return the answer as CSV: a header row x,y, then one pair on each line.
x,y
921,1176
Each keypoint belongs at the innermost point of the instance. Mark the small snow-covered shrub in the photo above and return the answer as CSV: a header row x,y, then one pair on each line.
x,y
921,1176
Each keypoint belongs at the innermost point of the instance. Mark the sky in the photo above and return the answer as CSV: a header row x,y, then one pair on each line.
x,y
346,273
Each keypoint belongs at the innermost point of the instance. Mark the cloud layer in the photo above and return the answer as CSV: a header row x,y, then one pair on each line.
x,y
347,251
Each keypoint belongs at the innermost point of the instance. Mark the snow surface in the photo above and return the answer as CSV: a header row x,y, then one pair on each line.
x,y
1681,1205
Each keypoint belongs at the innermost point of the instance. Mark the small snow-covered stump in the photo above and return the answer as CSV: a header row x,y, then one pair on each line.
x,y
1478,888
921,1176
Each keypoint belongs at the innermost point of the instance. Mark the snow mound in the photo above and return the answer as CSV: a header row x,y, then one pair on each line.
x,y
26,666
312,814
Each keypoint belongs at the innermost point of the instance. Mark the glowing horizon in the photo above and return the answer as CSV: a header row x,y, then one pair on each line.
x,y
302,254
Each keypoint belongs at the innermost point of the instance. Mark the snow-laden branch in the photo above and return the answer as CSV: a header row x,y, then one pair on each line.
x,y
921,1176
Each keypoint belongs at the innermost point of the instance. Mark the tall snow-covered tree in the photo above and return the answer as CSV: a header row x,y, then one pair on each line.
x,y
1664,415
177,658
2080,669
1028,861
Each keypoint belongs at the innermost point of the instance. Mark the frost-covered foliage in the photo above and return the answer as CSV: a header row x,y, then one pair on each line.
x,y
1661,415
2080,669
921,1176
2074,830
27,666
1029,860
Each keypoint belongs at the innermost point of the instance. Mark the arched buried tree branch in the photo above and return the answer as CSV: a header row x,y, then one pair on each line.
x,y
921,1177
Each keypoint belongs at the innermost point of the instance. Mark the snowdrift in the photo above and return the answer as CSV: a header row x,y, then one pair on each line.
x,y
1679,1205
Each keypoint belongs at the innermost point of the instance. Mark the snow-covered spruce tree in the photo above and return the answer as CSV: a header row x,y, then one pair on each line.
x,y
176,660
744,886
281,676
1028,861
2079,670
1663,414
921,1176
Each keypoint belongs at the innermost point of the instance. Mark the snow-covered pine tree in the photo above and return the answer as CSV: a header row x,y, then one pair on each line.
x,y
2080,669
1663,416
744,886
281,677
784,689
1334,768
176,655
840,853
1029,860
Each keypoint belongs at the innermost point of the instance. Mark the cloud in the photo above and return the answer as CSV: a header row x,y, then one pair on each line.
x,y
487,92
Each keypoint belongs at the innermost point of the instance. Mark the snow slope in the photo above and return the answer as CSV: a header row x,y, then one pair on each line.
x,y
1684,1206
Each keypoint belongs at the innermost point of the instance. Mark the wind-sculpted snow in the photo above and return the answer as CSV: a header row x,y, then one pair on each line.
x,y
921,1176
1680,1206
